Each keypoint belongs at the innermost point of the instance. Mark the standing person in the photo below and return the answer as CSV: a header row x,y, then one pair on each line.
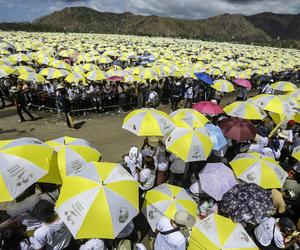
x,y
65,104
188,96
20,104
176,95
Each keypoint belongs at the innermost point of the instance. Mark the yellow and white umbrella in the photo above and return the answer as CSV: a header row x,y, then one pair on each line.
x,y
259,169
188,118
89,67
273,103
223,86
75,77
98,201
216,232
148,122
189,144
53,73
32,77
22,162
6,70
295,94
24,69
20,57
73,153
60,65
245,110
166,200
296,153
284,86
95,75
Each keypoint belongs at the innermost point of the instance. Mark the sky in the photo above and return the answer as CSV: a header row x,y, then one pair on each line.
x,y
28,10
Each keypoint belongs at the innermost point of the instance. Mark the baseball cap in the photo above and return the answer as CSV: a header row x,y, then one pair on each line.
x,y
286,223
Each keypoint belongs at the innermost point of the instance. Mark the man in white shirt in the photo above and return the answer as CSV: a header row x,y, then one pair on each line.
x,y
53,234
269,233
170,237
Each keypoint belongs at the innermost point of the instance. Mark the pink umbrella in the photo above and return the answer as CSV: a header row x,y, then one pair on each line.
x,y
115,78
243,82
209,108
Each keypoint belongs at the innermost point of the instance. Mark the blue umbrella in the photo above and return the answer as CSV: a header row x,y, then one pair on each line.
x,y
216,136
204,78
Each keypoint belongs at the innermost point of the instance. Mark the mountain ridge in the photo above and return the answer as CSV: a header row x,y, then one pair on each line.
x,y
262,28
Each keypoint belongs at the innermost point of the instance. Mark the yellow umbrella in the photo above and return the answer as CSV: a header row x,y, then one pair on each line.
x,y
245,110
24,69
95,75
223,86
188,118
53,73
20,167
166,200
259,169
284,86
148,122
190,144
60,65
32,77
296,153
217,232
73,153
75,77
98,201
6,70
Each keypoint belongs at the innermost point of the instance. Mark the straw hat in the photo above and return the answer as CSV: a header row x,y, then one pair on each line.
x,y
182,218
14,89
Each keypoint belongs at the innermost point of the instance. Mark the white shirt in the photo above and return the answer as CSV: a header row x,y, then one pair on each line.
x,y
93,244
54,236
177,165
265,233
172,241
27,245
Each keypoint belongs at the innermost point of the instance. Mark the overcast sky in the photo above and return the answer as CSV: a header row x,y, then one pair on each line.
x,y
28,10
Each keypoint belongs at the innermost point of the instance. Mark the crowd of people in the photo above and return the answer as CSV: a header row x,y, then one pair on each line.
x,y
30,222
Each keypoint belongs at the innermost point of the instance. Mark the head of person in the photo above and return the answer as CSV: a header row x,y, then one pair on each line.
x,y
44,211
286,225
262,131
12,235
184,219
149,162
275,144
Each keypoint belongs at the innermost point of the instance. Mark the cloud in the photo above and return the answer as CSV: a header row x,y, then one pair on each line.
x,y
192,9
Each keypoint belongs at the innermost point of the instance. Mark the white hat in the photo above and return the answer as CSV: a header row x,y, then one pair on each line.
x,y
178,83
59,86
184,219
195,187
145,174
283,134
14,89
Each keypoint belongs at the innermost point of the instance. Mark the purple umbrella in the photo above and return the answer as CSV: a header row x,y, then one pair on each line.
x,y
216,179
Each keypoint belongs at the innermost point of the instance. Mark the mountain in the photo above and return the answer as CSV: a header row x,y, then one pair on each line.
x,y
263,28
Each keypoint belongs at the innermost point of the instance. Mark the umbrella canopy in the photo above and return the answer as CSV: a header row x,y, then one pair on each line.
x,y
19,167
188,118
189,144
115,78
245,110
208,107
166,200
72,155
273,103
216,232
223,86
246,202
75,77
95,202
96,75
53,73
24,69
204,78
32,77
284,86
216,135
296,153
216,179
243,82
238,129
259,169
6,70
148,122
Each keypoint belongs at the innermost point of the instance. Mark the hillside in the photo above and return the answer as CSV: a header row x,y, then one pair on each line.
x,y
264,28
